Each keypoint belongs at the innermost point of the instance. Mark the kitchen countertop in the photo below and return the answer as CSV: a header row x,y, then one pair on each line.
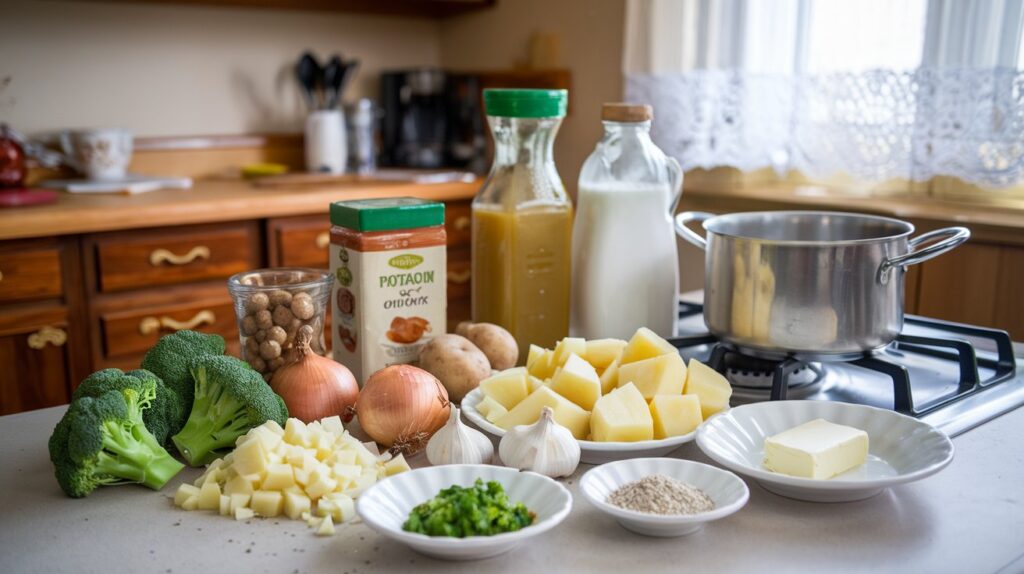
x,y
967,518
208,201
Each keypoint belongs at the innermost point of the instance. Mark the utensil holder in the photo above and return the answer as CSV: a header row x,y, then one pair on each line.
x,y
326,149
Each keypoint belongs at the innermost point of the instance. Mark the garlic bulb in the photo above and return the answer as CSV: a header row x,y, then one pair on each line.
x,y
456,443
545,447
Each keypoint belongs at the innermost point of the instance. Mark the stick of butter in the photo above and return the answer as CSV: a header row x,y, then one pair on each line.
x,y
816,449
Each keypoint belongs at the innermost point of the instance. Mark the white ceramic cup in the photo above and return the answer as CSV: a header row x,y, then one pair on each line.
x,y
100,154
326,150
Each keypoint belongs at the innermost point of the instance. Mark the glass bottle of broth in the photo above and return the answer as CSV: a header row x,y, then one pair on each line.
x,y
522,222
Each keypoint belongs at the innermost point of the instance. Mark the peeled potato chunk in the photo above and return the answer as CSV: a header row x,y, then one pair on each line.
x,y
713,389
601,352
622,415
578,381
662,375
645,344
566,413
675,415
508,387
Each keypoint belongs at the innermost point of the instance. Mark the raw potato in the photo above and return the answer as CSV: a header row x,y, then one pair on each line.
x,y
305,471
498,345
456,362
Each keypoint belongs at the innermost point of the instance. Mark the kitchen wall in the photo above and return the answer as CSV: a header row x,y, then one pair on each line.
x,y
183,70
591,33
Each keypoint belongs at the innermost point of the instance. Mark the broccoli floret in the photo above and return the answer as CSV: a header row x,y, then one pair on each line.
x,y
169,359
102,441
230,399
167,413
162,409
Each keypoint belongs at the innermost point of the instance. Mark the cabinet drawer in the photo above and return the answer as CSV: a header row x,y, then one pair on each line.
x,y
166,257
300,242
133,332
457,222
30,274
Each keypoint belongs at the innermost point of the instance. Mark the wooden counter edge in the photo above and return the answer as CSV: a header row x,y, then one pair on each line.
x,y
209,201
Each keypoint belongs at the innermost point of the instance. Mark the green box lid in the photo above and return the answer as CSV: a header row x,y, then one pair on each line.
x,y
514,103
387,214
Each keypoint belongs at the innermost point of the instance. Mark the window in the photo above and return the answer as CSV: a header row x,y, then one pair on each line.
x,y
872,90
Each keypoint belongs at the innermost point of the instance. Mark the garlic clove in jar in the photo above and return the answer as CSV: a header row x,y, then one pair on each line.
x,y
456,443
545,447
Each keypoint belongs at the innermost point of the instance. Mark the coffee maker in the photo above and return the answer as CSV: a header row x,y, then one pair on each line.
x,y
431,120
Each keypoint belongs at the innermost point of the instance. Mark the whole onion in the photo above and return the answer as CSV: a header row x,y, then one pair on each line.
x,y
314,387
401,407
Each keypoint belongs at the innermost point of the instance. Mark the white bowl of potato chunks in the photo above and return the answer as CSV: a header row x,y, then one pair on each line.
x,y
620,399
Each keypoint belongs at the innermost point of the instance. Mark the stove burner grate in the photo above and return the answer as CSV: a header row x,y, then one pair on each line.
x,y
791,373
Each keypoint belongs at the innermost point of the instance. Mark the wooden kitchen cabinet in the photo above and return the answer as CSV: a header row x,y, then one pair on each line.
x,y
34,349
976,283
85,286
299,241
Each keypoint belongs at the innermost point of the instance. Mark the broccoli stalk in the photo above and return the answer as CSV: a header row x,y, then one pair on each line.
x,y
170,358
103,441
130,456
230,399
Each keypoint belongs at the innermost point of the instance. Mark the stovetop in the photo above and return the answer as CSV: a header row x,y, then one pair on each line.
x,y
952,376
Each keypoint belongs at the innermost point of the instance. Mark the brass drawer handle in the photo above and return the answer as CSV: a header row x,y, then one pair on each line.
x,y
159,256
52,335
323,240
150,325
459,277
461,223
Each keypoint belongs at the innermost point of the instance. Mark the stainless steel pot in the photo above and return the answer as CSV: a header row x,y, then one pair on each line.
x,y
814,285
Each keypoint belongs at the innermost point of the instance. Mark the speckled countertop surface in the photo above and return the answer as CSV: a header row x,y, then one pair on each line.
x,y
967,518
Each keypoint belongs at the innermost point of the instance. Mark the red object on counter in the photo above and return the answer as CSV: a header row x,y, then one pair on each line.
x,y
19,197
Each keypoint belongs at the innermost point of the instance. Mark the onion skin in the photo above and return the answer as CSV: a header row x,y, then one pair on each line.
x,y
314,387
401,407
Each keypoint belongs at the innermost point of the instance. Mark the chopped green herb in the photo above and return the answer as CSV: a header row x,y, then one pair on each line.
x,y
480,510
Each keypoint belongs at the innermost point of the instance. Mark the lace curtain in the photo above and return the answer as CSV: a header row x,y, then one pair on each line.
x,y
723,102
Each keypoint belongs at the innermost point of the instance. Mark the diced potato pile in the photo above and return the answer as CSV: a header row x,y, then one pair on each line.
x,y
303,471
608,389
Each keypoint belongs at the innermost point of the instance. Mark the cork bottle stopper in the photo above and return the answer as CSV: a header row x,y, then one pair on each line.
x,y
618,112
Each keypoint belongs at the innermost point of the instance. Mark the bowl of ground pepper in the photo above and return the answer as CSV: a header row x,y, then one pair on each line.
x,y
663,497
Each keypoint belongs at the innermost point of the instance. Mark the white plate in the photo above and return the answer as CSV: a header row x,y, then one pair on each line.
x,y
726,489
591,452
901,448
386,505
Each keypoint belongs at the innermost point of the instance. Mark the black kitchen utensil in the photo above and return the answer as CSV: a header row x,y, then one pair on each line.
x,y
309,74
334,75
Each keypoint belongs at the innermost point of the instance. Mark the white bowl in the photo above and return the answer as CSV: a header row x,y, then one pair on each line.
x,y
901,448
591,452
726,489
386,505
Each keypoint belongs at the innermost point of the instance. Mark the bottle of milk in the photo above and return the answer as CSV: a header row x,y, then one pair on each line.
x,y
625,270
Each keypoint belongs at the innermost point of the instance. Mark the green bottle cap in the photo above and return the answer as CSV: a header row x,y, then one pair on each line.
x,y
387,214
526,103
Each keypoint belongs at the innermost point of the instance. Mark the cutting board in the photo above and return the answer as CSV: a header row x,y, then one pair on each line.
x,y
379,176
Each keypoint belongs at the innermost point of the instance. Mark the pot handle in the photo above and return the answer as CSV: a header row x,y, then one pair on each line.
x,y
683,231
954,236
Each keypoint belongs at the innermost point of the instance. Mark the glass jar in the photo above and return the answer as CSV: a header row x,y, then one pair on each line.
x,y
625,266
271,306
522,222
390,259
